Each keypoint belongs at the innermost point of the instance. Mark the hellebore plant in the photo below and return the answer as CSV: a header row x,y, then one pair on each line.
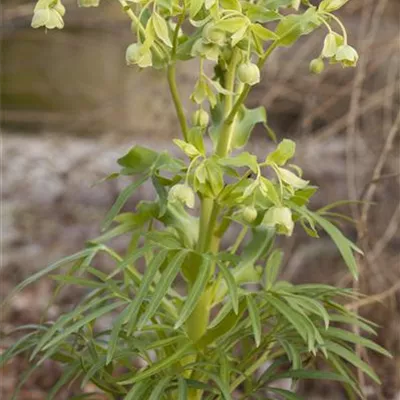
x,y
203,320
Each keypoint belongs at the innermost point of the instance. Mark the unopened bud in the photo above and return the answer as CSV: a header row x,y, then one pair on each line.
x,y
317,66
249,214
200,118
249,73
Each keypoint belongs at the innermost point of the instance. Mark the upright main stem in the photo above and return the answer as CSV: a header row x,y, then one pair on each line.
x,y
207,241
198,321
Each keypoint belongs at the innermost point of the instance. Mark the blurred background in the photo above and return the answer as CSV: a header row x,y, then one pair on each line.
x,y
70,106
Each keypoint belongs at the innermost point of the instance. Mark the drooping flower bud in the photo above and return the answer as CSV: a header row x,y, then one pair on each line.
x,y
281,219
200,118
138,54
249,73
48,14
249,214
182,194
347,56
213,35
317,66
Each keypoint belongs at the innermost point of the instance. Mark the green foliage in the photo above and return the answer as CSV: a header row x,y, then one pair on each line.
x,y
190,326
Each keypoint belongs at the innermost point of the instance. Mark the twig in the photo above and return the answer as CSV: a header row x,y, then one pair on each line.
x,y
372,103
375,298
378,169
387,235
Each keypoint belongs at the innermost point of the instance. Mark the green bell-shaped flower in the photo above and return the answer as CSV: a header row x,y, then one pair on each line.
x,y
249,73
48,13
182,194
249,214
138,54
200,118
347,56
281,219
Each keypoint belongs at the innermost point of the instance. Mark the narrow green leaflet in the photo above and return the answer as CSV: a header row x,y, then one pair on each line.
x,y
286,394
195,292
343,244
138,391
310,374
292,316
255,318
311,305
161,289
117,326
231,286
68,374
182,389
347,336
79,324
352,358
144,288
121,200
272,268
159,389
35,277
223,312
161,365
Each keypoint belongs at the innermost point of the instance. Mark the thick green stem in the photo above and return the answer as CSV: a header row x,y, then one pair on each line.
x,y
226,133
208,241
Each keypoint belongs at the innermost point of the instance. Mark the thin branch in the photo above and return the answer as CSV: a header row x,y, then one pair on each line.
x,y
376,298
